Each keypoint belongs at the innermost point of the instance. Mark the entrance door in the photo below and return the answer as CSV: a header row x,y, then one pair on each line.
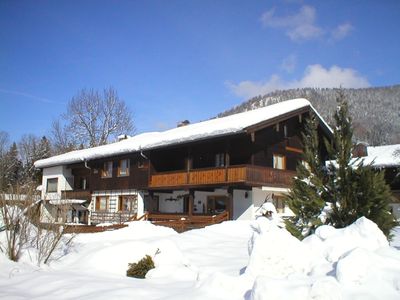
x,y
218,204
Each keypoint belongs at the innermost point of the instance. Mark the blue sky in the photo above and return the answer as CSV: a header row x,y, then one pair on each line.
x,y
176,60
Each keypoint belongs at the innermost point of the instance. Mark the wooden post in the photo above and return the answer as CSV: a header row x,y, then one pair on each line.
x,y
230,203
227,160
189,165
151,202
149,170
190,204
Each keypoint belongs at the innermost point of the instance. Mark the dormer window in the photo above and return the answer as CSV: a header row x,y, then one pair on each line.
x,y
106,172
123,167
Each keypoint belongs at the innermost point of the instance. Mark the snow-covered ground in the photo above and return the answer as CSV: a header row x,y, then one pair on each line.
x,y
233,260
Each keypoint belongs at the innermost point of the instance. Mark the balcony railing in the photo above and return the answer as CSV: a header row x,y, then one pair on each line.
x,y
97,217
233,174
77,194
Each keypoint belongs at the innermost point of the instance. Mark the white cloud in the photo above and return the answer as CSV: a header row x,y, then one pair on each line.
x,y
289,63
314,76
342,31
300,26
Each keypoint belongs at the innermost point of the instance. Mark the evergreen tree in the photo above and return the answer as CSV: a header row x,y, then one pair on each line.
x,y
350,188
305,198
32,149
354,189
13,167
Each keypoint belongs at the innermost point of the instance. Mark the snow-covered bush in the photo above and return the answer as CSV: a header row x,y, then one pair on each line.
x,y
140,269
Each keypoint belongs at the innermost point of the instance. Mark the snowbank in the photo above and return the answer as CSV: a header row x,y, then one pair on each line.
x,y
331,264
333,243
235,260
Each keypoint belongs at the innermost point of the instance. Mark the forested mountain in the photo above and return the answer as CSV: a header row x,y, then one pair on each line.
x,y
375,111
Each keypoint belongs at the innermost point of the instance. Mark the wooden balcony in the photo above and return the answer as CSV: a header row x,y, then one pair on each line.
x,y
77,194
246,174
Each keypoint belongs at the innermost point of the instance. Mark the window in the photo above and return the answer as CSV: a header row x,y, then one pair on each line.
x,y
279,162
107,169
123,167
220,159
102,203
52,185
82,183
217,204
128,203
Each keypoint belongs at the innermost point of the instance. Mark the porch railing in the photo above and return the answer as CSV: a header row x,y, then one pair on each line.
x,y
97,217
233,174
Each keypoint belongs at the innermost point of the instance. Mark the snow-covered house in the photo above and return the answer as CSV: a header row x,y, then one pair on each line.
x,y
385,157
231,164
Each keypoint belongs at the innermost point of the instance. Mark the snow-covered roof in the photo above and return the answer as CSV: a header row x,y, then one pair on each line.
x,y
211,128
383,156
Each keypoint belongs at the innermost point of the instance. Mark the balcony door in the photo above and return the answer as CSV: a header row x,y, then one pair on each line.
x,y
218,204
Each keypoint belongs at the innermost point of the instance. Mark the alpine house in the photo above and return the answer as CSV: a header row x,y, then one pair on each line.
x,y
230,165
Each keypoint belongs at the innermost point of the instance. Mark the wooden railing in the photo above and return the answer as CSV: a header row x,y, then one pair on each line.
x,y
143,217
98,217
232,174
183,222
77,194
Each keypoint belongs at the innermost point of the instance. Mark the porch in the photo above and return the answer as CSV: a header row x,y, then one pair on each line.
x,y
241,174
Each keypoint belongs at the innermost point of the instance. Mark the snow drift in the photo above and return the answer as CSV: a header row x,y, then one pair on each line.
x,y
248,260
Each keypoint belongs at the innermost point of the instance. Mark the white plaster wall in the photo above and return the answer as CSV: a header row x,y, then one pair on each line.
x,y
171,206
140,205
243,208
60,172
47,213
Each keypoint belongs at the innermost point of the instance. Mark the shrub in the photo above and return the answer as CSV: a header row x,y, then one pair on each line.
x,y
140,269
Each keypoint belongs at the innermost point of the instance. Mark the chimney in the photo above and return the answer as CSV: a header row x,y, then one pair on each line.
x,y
183,123
360,150
123,137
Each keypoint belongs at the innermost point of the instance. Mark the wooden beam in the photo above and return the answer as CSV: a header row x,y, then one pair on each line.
x,y
293,149
277,119
253,137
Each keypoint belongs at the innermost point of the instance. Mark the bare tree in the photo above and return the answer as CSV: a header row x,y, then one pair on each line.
x,y
20,223
62,141
15,210
93,118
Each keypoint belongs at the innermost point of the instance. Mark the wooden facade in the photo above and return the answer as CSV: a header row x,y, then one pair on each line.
x,y
244,159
